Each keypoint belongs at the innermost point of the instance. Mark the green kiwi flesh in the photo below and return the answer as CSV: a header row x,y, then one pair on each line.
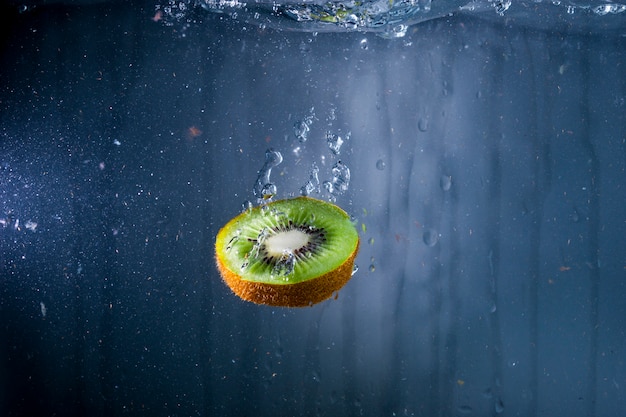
x,y
304,243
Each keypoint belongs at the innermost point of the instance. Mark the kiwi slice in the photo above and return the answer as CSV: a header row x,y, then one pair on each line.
x,y
293,253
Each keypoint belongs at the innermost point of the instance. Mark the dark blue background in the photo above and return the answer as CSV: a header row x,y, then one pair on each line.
x,y
112,305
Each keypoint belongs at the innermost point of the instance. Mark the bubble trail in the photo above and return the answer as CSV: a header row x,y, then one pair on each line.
x,y
263,187
340,181
301,128
313,184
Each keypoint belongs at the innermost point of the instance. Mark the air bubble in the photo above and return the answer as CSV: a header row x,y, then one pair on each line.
x,y
501,6
301,130
260,240
232,241
380,165
334,142
268,191
430,237
605,9
286,264
302,127
263,187
395,32
246,206
574,215
351,22
340,181
445,182
328,186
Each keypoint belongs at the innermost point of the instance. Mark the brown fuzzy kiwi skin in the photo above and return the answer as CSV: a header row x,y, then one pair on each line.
x,y
301,294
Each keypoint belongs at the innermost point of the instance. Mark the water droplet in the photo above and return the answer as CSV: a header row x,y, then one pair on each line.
x,y
422,125
512,363
355,269
499,406
363,44
372,268
487,393
371,241
445,182
380,165
315,376
430,237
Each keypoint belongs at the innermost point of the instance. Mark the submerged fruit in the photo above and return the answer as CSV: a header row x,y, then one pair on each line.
x,y
293,253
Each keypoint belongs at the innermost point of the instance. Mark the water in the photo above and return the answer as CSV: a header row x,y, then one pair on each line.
x,y
492,232
394,19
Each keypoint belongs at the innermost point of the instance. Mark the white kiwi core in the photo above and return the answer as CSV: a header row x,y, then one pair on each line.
x,y
287,241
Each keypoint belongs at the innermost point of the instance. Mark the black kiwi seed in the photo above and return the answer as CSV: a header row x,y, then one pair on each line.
x,y
316,236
